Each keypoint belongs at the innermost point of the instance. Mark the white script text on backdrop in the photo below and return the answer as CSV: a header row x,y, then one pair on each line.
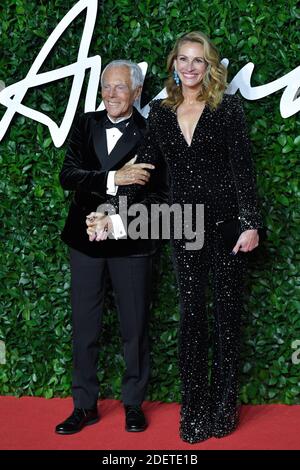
x,y
11,97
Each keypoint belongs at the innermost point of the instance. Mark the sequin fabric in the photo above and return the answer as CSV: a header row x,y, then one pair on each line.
x,y
215,170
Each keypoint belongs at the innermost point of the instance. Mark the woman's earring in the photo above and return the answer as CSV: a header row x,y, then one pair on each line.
x,y
176,77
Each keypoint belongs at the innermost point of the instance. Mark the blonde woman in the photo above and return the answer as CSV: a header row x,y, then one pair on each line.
x,y
202,135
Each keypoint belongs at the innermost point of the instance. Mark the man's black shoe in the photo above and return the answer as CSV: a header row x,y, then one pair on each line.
x,y
79,418
135,418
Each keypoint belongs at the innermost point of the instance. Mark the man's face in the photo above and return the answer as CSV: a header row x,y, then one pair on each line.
x,y
117,93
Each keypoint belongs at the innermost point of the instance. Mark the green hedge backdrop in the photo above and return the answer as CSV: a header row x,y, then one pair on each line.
x,y
35,278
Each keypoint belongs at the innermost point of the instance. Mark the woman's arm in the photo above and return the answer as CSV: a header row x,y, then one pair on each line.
x,y
239,150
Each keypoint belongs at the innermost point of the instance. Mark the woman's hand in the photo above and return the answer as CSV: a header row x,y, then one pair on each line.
x,y
247,241
99,226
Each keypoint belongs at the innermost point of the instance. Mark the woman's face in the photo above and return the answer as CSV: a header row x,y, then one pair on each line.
x,y
190,64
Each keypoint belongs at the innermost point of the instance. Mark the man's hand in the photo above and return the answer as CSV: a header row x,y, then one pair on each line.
x,y
133,174
99,226
248,240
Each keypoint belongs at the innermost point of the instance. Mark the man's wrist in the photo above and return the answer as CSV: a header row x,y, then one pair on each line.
x,y
111,187
118,226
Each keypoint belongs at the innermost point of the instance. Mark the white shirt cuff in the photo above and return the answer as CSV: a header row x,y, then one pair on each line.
x,y
118,226
111,188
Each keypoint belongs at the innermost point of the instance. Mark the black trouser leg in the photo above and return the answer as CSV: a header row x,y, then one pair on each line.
x,y
228,286
192,273
87,294
131,278
205,407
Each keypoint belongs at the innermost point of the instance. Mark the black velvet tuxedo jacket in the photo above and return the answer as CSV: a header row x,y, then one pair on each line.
x,y
85,170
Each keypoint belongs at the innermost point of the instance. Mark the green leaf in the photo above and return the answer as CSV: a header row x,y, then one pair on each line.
x,y
49,393
252,41
297,140
175,13
47,142
287,149
283,200
282,140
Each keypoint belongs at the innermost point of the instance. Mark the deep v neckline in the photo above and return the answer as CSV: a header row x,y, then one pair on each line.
x,y
197,124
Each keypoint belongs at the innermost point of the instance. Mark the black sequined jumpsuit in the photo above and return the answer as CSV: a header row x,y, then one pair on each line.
x,y
215,170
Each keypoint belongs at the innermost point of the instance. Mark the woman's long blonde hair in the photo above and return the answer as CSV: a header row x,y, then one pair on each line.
x,y
214,81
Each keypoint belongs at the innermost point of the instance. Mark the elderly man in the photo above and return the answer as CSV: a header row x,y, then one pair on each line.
x,y
98,160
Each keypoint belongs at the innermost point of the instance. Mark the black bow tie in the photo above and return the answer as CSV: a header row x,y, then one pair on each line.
x,y
119,125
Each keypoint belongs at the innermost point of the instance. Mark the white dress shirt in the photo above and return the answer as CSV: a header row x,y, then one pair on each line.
x,y
112,137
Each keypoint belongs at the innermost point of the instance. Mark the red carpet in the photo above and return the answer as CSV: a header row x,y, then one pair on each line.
x,y
28,423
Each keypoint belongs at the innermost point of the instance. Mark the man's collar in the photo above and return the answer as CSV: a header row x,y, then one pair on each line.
x,y
120,119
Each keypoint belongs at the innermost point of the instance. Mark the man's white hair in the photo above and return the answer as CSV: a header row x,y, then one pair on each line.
x,y
136,74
